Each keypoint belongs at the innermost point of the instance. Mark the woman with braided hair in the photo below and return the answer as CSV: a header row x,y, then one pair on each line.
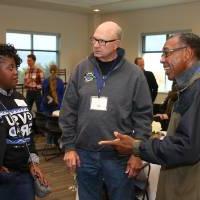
x,y
52,92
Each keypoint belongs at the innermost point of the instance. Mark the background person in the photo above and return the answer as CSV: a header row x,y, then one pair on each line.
x,y
52,92
166,107
179,151
105,93
33,82
151,80
16,182
52,95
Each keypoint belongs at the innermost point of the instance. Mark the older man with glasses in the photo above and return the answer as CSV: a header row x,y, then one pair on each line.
x,y
179,151
105,93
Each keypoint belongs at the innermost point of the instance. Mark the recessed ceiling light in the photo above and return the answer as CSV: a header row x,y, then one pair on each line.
x,y
96,10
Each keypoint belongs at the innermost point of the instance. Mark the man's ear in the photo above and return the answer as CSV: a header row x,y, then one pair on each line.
x,y
189,54
117,44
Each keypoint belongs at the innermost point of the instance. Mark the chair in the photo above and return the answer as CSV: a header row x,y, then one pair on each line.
x,y
142,182
40,122
52,129
63,72
20,88
39,128
65,84
156,108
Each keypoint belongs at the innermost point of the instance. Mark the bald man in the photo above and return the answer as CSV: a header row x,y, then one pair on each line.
x,y
105,93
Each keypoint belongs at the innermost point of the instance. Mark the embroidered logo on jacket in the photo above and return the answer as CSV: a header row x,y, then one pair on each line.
x,y
89,77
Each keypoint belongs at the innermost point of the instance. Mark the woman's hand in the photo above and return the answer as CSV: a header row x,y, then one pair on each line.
x,y
36,171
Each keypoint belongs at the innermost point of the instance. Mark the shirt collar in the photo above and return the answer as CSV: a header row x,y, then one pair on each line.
x,y
184,78
5,93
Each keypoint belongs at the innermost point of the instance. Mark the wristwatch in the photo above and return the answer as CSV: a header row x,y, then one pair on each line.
x,y
136,147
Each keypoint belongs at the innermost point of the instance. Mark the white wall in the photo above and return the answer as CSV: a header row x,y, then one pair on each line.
x,y
72,27
75,28
177,17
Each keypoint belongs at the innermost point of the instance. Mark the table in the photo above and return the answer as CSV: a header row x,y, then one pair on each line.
x,y
154,175
56,113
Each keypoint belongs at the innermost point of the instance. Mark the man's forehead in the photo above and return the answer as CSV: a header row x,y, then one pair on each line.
x,y
171,43
104,35
104,32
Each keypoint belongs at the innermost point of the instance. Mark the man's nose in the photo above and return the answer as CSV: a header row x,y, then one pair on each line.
x,y
162,59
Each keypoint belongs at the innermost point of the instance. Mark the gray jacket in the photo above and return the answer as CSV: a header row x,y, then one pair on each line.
x,y
129,107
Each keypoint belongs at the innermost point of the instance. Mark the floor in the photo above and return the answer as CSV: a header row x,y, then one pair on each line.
x,y
60,180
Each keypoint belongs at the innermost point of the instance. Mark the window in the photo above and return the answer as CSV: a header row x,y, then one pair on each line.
x,y
44,46
152,45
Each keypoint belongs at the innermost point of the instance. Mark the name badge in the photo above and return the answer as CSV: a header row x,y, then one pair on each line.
x,y
98,103
33,76
20,102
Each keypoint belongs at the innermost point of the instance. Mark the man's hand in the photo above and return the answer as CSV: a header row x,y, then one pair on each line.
x,y
122,143
72,160
134,166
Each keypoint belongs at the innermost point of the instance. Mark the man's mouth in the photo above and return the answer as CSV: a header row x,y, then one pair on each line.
x,y
166,68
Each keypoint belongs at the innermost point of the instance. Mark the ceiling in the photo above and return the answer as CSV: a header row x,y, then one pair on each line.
x,y
87,6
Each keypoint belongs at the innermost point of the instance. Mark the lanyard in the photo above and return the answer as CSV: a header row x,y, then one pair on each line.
x,y
100,80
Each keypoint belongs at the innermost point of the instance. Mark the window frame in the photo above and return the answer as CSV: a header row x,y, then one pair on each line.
x,y
32,50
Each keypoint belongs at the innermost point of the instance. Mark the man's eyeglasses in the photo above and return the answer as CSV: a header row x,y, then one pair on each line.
x,y
168,52
100,41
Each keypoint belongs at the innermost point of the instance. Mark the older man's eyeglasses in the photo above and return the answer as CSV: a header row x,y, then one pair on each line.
x,y
101,42
169,52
